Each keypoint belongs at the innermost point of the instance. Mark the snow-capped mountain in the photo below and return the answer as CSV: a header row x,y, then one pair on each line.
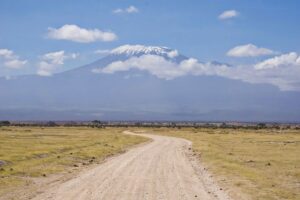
x,y
131,83
139,50
125,52
133,50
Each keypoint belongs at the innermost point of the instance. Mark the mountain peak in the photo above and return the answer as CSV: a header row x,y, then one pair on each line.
x,y
131,50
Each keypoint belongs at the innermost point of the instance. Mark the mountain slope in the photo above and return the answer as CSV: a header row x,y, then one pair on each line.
x,y
80,94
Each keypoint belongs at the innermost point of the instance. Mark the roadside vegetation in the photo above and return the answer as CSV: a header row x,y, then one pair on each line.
x,y
262,164
27,153
255,162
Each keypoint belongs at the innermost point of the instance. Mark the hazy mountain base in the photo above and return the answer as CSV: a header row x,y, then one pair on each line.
x,y
80,94
88,115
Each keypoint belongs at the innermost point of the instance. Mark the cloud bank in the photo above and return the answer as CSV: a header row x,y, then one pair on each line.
x,y
11,60
51,61
77,34
249,50
290,59
281,71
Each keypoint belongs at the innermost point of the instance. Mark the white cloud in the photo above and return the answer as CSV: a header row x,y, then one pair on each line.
x,y
118,10
77,34
56,58
11,60
130,9
6,53
228,14
289,59
160,67
45,68
51,61
284,73
173,54
15,64
249,50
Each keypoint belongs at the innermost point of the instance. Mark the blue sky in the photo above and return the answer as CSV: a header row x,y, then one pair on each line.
x,y
192,27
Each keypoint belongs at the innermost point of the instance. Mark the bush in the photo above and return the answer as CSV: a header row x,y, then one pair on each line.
x,y
4,123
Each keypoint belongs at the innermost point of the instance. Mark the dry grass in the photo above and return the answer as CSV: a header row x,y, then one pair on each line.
x,y
262,164
38,152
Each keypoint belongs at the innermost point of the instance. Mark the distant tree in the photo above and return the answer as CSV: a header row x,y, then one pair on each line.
x,y
173,124
96,122
4,123
51,124
70,124
261,125
223,125
138,124
276,126
207,125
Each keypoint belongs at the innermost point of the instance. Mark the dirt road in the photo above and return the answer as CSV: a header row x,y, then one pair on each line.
x,y
157,170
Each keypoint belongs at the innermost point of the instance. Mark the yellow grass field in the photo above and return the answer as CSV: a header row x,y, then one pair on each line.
x,y
249,164
261,164
31,152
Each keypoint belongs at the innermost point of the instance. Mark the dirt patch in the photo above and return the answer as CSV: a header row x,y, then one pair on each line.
x,y
162,169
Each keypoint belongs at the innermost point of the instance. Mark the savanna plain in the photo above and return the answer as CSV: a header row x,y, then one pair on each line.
x,y
246,163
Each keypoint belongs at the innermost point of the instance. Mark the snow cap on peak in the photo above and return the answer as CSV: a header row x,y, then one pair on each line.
x,y
141,49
